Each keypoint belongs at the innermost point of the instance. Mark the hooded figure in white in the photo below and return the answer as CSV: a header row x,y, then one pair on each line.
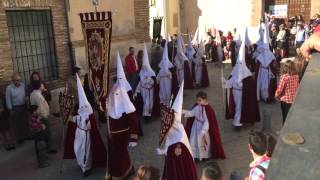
x,y
239,72
179,162
180,59
198,64
177,133
121,76
265,58
146,85
82,141
190,53
164,78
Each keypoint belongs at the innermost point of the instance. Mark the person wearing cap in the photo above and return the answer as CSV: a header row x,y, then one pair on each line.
x,y
242,104
179,163
83,140
146,86
123,129
164,78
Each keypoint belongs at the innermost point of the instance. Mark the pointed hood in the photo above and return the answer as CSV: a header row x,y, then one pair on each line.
x,y
190,50
246,37
85,108
180,52
178,102
265,56
165,64
218,38
146,70
241,71
177,132
121,76
196,38
182,43
119,102
200,51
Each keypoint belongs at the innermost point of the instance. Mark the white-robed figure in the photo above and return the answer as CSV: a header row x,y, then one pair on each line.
x,y
219,47
198,64
264,58
190,52
164,78
179,163
146,85
82,142
239,72
121,76
199,136
180,59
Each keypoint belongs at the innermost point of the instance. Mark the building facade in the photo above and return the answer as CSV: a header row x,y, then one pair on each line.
x,y
34,37
46,35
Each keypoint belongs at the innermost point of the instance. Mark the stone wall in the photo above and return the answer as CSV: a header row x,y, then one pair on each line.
x,y
60,33
130,26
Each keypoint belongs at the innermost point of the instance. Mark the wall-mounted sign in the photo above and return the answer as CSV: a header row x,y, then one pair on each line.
x,y
279,11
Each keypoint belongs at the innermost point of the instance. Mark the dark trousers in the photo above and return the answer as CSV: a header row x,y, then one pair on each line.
x,y
19,126
47,133
41,144
285,107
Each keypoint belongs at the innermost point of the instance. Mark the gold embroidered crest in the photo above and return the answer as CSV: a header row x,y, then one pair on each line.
x,y
178,150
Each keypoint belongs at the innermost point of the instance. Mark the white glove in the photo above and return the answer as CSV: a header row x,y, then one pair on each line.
x,y
133,144
160,152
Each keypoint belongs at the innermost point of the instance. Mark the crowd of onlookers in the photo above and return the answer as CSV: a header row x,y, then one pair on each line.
x,y
24,116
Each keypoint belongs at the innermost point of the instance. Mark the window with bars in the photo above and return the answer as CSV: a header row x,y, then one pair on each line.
x,y
32,43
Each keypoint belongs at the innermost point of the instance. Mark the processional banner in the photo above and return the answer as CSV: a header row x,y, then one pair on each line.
x,y
97,30
167,120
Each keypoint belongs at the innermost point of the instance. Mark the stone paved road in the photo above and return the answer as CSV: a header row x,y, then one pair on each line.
x,y
21,164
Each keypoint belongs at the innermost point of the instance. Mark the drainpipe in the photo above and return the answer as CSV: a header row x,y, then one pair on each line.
x,y
66,9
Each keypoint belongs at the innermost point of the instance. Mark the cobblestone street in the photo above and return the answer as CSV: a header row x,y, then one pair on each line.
x,y
21,163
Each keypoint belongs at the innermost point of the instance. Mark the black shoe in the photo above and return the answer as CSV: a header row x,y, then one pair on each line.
x,y
237,128
9,148
44,165
87,173
52,151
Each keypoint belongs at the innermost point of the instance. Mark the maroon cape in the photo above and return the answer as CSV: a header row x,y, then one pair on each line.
x,y
250,108
99,153
217,150
175,84
272,82
179,164
205,76
188,80
123,131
